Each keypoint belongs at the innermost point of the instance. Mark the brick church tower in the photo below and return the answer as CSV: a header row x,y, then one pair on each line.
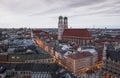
x,y
62,24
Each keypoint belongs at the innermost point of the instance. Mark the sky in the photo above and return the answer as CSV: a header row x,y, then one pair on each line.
x,y
45,13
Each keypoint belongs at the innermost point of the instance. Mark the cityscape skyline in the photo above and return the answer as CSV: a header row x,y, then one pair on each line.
x,y
44,13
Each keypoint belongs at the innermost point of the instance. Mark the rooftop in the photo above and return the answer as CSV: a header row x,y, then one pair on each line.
x,y
80,55
76,33
23,57
113,54
51,67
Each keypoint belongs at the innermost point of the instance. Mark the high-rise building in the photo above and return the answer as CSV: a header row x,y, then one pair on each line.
x,y
65,22
62,24
60,27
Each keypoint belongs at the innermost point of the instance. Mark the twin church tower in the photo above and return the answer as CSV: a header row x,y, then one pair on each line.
x,y
62,24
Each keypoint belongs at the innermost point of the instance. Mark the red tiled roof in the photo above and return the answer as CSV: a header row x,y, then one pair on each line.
x,y
38,31
76,33
80,55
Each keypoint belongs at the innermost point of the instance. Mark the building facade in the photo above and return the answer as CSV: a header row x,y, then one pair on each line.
x,y
112,63
79,61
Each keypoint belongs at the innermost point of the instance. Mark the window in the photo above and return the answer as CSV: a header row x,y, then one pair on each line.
x,y
13,57
18,57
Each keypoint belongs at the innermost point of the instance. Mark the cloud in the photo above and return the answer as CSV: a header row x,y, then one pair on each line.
x,y
81,3
67,6
20,11
53,7
80,8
